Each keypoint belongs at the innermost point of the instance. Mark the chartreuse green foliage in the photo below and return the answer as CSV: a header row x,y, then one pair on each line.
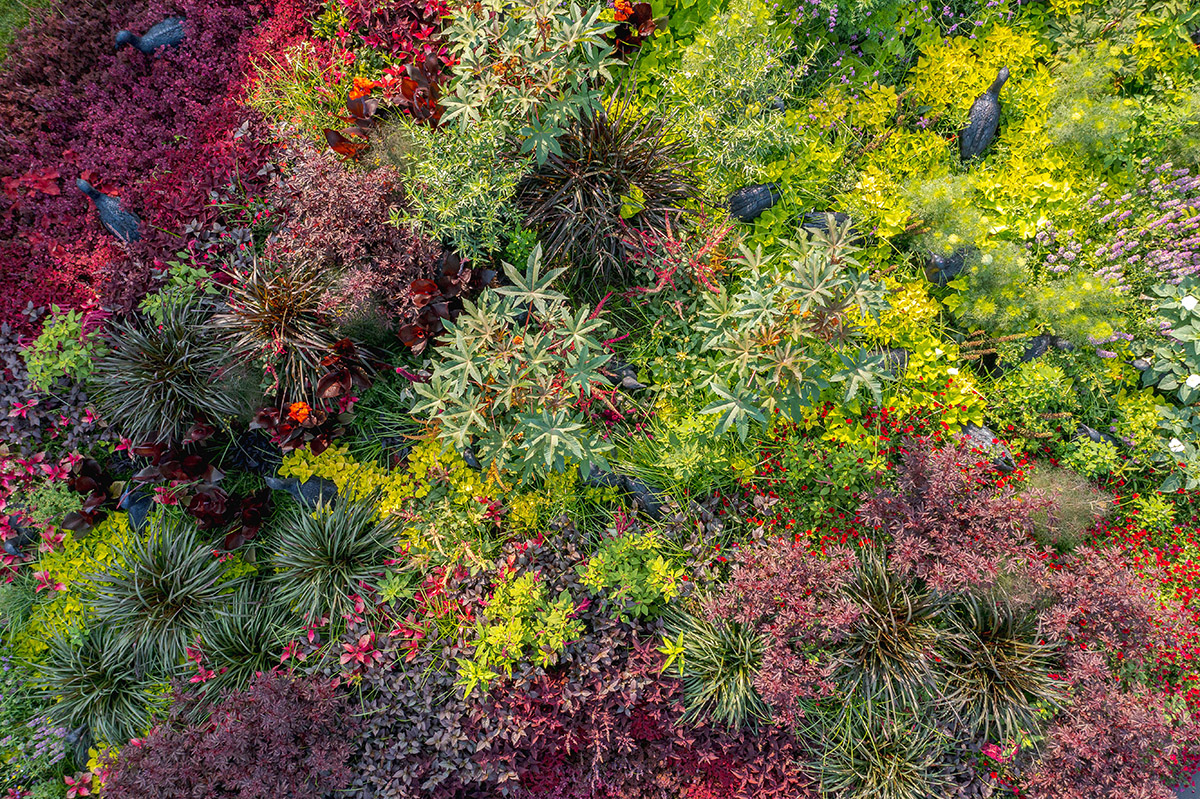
x,y
533,65
1030,401
778,332
558,494
514,368
461,182
65,613
442,500
636,567
50,502
521,622
724,90
62,349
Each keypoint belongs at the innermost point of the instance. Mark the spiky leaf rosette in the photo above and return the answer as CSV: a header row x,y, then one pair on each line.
x,y
864,755
324,556
157,379
244,638
720,661
100,683
621,162
890,657
999,673
275,313
160,590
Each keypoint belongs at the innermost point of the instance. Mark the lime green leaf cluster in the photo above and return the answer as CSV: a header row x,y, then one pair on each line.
x,y
65,613
636,566
61,350
521,623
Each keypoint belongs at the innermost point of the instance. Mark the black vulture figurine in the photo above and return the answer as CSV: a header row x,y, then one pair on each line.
x,y
119,222
748,202
168,33
941,269
982,121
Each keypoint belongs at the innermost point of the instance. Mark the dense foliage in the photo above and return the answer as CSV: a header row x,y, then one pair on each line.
x,y
608,400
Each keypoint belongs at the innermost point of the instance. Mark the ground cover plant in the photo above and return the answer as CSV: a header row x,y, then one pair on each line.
x,y
599,400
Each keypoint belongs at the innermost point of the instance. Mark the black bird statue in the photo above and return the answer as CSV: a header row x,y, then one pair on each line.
x,y
168,33
941,269
119,222
982,121
748,202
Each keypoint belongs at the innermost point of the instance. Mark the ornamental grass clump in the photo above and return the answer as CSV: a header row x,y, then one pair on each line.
x,y
325,557
101,684
158,380
160,589
718,663
275,314
615,169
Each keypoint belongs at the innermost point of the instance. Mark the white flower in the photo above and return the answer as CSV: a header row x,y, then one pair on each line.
x,y
951,371
938,351
1175,445
1189,302
1193,381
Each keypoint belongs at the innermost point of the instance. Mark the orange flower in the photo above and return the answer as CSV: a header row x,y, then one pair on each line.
x,y
299,411
362,87
623,10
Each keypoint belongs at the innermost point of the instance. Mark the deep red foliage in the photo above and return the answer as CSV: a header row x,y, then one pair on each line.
x,y
159,132
407,30
795,599
280,737
943,528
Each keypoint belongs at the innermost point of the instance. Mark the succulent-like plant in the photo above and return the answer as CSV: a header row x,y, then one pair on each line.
x,y
100,684
719,661
157,380
998,673
325,556
160,589
619,168
890,658
244,638
275,313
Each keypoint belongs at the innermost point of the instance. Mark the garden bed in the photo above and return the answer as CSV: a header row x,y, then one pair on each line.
x,y
637,400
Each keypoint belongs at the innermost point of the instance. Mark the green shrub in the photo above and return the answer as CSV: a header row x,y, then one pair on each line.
x,y
1076,505
245,638
50,502
533,65
62,349
635,567
509,379
461,182
159,379
325,556
1085,113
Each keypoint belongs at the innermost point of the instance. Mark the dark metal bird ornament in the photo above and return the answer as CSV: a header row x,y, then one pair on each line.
x,y
119,222
982,120
168,33
748,202
941,269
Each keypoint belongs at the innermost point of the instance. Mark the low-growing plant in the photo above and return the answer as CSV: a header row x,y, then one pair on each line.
x,y
160,589
98,682
718,662
325,557
62,349
635,567
283,733
1075,508
243,639
159,379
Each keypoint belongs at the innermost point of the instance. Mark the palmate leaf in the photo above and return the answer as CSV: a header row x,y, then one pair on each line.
x,y
577,330
532,288
582,370
736,409
862,370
